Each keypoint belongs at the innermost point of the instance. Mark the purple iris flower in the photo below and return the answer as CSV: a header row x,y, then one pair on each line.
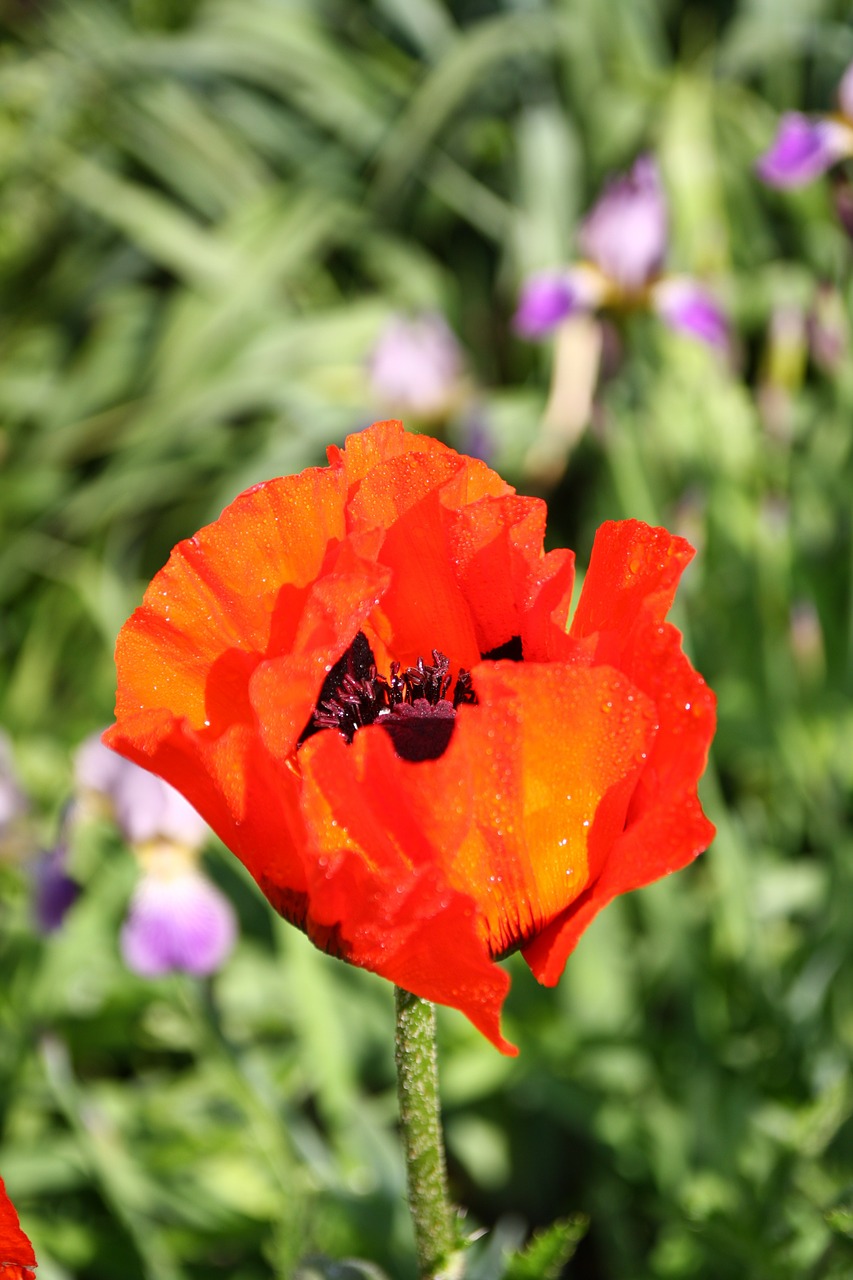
x,y
805,148
178,920
54,889
802,150
416,368
625,233
623,240
551,296
688,307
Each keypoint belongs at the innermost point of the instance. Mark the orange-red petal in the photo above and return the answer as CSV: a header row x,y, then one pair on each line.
x,y
630,584
16,1251
378,890
551,756
493,836
632,577
228,595
510,586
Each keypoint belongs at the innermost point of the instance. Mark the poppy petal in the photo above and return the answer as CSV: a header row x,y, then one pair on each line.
x,y
485,835
378,894
667,839
511,588
377,444
551,757
283,690
570,777
629,587
222,592
15,1247
632,577
423,608
633,571
250,799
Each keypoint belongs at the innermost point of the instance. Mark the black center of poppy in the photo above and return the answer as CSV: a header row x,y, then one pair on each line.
x,y
414,706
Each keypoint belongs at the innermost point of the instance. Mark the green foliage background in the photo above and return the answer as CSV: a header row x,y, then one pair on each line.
x,y
208,210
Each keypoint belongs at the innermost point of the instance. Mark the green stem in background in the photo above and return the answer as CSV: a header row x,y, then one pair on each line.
x,y
417,1089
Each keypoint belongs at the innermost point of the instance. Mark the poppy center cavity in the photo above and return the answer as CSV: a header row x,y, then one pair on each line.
x,y
414,706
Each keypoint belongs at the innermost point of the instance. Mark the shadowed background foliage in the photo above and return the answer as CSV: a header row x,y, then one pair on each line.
x,y
209,211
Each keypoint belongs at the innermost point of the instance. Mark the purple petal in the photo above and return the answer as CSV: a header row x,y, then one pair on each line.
x,y
688,307
802,150
625,234
177,922
546,299
552,296
845,93
145,807
55,891
416,366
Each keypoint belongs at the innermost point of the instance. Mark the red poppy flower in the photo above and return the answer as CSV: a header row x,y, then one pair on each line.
x,y
362,678
16,1252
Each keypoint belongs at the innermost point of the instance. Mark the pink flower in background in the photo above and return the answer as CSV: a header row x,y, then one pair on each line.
x,y
178,919
417,368
623,241
804,148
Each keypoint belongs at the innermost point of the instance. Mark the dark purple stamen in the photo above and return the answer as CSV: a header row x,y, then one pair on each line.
x,y
412,705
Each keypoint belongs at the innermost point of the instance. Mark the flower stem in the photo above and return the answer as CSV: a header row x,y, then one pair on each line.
x,y
417,1090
